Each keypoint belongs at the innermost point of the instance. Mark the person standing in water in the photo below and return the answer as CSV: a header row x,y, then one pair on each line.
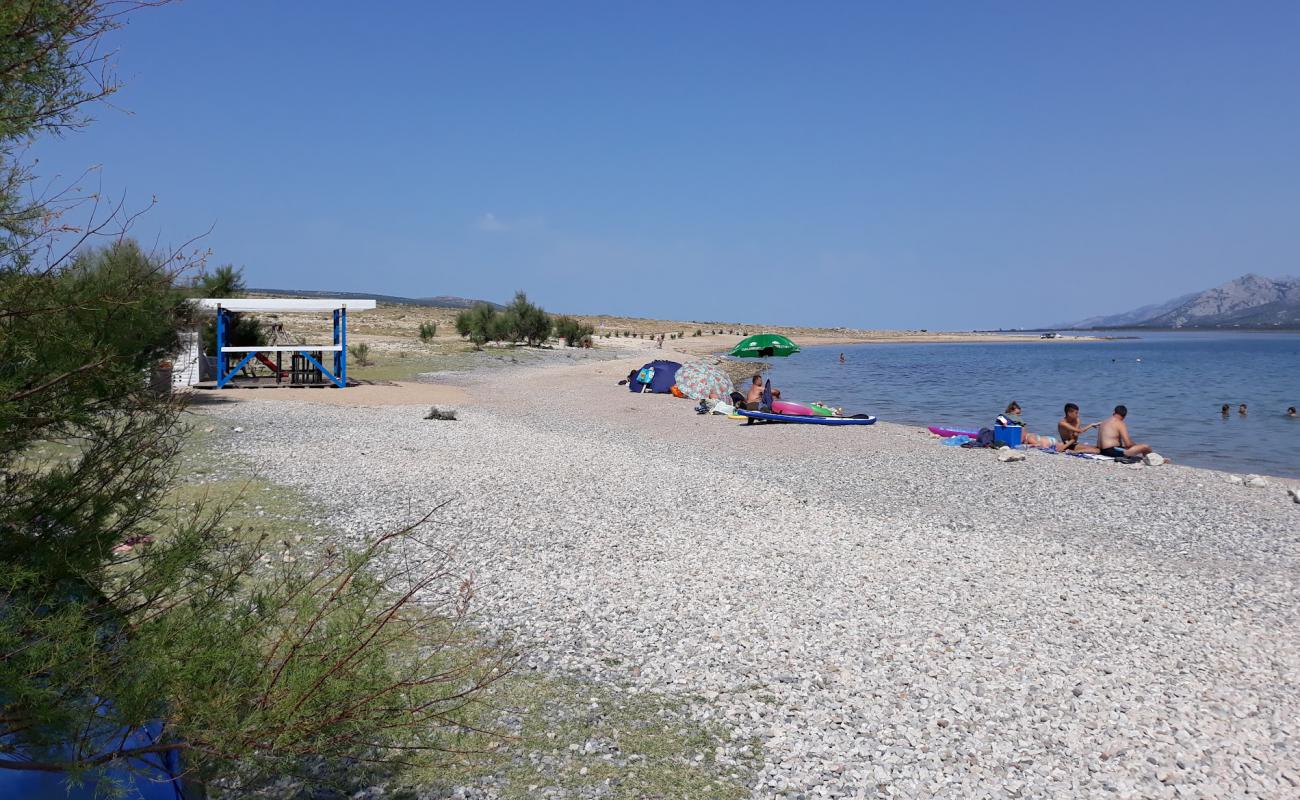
x,y
1241,410
1226,410
1290,412
841,358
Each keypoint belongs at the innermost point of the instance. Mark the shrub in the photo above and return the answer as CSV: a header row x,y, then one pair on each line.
x,y
428,330
699,332
447,414
572,331
479,324
525,321
361,352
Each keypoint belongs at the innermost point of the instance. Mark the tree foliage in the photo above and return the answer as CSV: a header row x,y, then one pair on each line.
x,y
526,322
120,608
573,332
480,324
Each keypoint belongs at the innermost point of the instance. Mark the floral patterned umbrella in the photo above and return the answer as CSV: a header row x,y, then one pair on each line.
x,y
698,381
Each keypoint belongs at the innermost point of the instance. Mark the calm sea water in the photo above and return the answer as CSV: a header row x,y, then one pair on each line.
x,y
1172,383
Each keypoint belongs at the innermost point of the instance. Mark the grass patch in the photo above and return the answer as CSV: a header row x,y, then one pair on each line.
x,y
573,736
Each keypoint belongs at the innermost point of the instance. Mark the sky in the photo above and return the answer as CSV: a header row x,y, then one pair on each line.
x,y
860,164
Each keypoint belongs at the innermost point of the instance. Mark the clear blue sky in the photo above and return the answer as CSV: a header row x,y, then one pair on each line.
x,y
919,165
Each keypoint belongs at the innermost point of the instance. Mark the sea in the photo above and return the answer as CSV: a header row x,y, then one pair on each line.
x,y
1173,383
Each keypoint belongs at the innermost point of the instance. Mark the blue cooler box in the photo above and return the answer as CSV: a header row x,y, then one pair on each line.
x,y
1007,434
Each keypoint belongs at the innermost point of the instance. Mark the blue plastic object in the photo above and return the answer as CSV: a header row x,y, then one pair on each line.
x,y
1007,434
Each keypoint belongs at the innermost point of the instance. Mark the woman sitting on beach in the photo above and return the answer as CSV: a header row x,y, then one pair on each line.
x,y
1012,417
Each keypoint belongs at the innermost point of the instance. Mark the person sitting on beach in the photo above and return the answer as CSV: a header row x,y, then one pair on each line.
x,y
754,397
1070,432
1113,439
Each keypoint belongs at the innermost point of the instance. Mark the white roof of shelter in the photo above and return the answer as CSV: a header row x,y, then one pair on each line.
x,y
285,304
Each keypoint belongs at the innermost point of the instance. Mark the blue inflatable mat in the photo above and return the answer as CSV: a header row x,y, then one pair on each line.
x,y
767,417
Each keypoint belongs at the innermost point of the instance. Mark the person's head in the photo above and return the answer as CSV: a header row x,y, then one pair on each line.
x,y
1071,412
1226,408
758,379
1121,411
1012,408
1241,409
1290,411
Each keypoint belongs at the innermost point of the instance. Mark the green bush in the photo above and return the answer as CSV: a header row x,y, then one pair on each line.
x,y
478,324
361,352
572,331
428,330
525,321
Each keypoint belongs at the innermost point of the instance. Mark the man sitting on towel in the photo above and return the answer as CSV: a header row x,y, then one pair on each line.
x,y
1069,430
1113,438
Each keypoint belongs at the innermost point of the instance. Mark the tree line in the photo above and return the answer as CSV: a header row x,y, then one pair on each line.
x,y
521,321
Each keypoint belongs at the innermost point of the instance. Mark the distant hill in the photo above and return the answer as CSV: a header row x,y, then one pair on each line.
x,y
1251,301
441,301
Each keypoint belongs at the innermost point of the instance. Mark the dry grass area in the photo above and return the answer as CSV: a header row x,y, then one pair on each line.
x,y
394,329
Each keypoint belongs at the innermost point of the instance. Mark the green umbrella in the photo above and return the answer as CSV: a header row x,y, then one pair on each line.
x,y
763,345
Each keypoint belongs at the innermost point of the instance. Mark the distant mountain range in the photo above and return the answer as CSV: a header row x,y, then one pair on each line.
x,y
441,301
1251,301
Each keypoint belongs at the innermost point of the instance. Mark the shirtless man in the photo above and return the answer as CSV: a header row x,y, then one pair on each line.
x,y
1113,438
754,398
1069,431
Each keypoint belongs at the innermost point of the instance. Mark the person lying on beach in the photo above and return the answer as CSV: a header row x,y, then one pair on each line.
x,y
1070,432
1113,439
1012,417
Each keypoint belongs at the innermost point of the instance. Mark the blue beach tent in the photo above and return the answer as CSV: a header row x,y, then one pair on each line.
x,y
662,382
152,776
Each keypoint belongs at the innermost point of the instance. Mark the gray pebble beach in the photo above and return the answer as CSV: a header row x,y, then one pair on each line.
x,y
886,616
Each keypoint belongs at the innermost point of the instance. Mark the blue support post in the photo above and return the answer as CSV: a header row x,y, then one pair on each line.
x,y
338,354
221,342
343,353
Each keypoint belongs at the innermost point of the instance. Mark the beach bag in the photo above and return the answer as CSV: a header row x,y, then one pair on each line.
x,y
644,377
984,438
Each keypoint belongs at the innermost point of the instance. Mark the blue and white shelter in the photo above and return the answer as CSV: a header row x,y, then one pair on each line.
x,y
336,373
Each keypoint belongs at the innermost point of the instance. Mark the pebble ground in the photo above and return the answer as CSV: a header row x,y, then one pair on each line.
x,y
887,616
